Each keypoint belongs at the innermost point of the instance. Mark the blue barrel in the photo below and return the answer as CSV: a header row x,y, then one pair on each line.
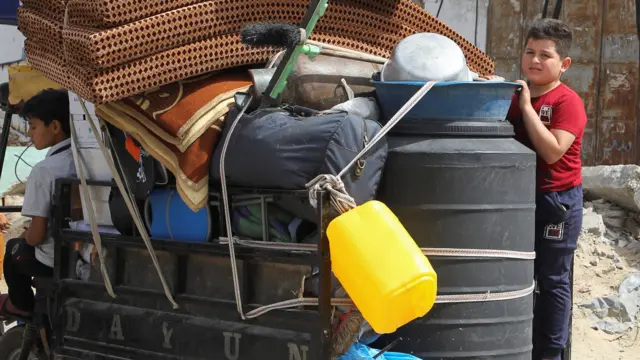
x,y
168,217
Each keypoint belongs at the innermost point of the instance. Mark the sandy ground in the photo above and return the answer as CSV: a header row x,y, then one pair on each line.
x,y
595,281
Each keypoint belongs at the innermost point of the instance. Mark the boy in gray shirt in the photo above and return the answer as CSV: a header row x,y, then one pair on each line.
x,y
32,254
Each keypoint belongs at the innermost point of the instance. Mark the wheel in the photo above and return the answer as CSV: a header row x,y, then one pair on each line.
x,y
10,344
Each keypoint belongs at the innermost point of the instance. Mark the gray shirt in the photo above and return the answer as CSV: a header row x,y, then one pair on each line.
x,y
39,194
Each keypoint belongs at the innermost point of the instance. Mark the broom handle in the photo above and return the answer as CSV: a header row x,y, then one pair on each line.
x,y
361,55
388,347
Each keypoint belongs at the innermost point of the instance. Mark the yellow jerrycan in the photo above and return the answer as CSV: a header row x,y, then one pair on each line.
x,y
381,268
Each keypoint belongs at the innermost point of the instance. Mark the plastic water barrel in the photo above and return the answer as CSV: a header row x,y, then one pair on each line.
x,y
168,217
469,187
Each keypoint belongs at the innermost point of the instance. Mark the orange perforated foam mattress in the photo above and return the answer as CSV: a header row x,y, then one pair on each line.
x,y
101,49
202,36
37,27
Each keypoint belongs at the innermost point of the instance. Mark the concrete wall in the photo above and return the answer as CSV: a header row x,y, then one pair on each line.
x,y
605,69
467,17
11,42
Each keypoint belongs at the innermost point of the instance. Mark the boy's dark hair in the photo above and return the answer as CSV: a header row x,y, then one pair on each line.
x,y
552,29
49,105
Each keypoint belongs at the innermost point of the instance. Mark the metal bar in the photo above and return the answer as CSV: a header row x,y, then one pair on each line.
x,y
325,280
10,209
264,219
545,8
557,9
4,140
177,247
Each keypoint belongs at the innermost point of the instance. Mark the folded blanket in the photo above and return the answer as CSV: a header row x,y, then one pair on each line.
x,y
191,167
180,112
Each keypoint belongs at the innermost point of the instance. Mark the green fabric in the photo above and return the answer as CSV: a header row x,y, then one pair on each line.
x,y
248,223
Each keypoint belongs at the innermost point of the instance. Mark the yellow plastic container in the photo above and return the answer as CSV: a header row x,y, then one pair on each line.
x,y
379,265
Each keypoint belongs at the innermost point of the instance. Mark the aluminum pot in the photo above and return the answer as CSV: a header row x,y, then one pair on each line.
x,y
426,57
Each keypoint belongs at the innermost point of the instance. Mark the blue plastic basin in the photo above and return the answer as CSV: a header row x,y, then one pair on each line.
x,y
447,101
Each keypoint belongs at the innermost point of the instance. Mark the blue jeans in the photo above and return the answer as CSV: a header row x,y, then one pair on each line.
x,y
558,226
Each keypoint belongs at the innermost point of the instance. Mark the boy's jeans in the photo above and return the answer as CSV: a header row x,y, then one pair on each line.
x,y
20,266
558,226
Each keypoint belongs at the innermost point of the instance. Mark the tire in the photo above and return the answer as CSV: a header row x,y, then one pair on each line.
x,y
11,342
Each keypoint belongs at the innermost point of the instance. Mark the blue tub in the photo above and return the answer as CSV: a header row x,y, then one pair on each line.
x,y
447,101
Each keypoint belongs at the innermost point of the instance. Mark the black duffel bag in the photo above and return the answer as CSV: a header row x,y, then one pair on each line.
x,y
277,149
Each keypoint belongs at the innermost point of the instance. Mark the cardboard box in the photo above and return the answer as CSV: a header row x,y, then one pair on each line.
x,y
84,137
87,153
75,107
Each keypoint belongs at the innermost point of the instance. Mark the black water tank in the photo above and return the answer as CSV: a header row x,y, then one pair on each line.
x,y
467,186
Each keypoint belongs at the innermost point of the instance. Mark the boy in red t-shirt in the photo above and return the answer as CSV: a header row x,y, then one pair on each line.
x,y
550,119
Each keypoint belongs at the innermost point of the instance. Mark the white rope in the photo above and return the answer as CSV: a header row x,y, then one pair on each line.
x,y
227,213
133,210
443,252
440,299
92,215
225,198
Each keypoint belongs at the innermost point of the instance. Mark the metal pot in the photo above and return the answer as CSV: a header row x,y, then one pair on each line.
x,y
426,57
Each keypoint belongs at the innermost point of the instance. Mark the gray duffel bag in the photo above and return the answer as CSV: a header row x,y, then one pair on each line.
x,y
276,149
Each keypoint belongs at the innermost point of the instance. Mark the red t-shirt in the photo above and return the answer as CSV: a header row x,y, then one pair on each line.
x,y
560,108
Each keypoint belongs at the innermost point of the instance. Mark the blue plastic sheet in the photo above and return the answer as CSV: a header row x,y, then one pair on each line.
x,y
362,352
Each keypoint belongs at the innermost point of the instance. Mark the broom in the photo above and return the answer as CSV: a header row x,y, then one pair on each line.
x,y
287,35
346,324
345,333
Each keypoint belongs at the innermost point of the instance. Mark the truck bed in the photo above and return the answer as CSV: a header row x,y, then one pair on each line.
x,y
140,322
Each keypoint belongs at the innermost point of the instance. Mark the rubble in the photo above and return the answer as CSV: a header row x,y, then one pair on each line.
x,y
617,314
618,184
608,256
592,222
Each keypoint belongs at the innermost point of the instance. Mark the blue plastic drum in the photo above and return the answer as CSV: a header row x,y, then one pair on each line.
x,y
168,217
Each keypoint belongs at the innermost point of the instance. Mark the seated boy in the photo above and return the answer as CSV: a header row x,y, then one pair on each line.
x,y
550,118
32,255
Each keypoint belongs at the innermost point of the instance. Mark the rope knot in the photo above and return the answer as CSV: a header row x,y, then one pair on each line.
x,y
340,200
